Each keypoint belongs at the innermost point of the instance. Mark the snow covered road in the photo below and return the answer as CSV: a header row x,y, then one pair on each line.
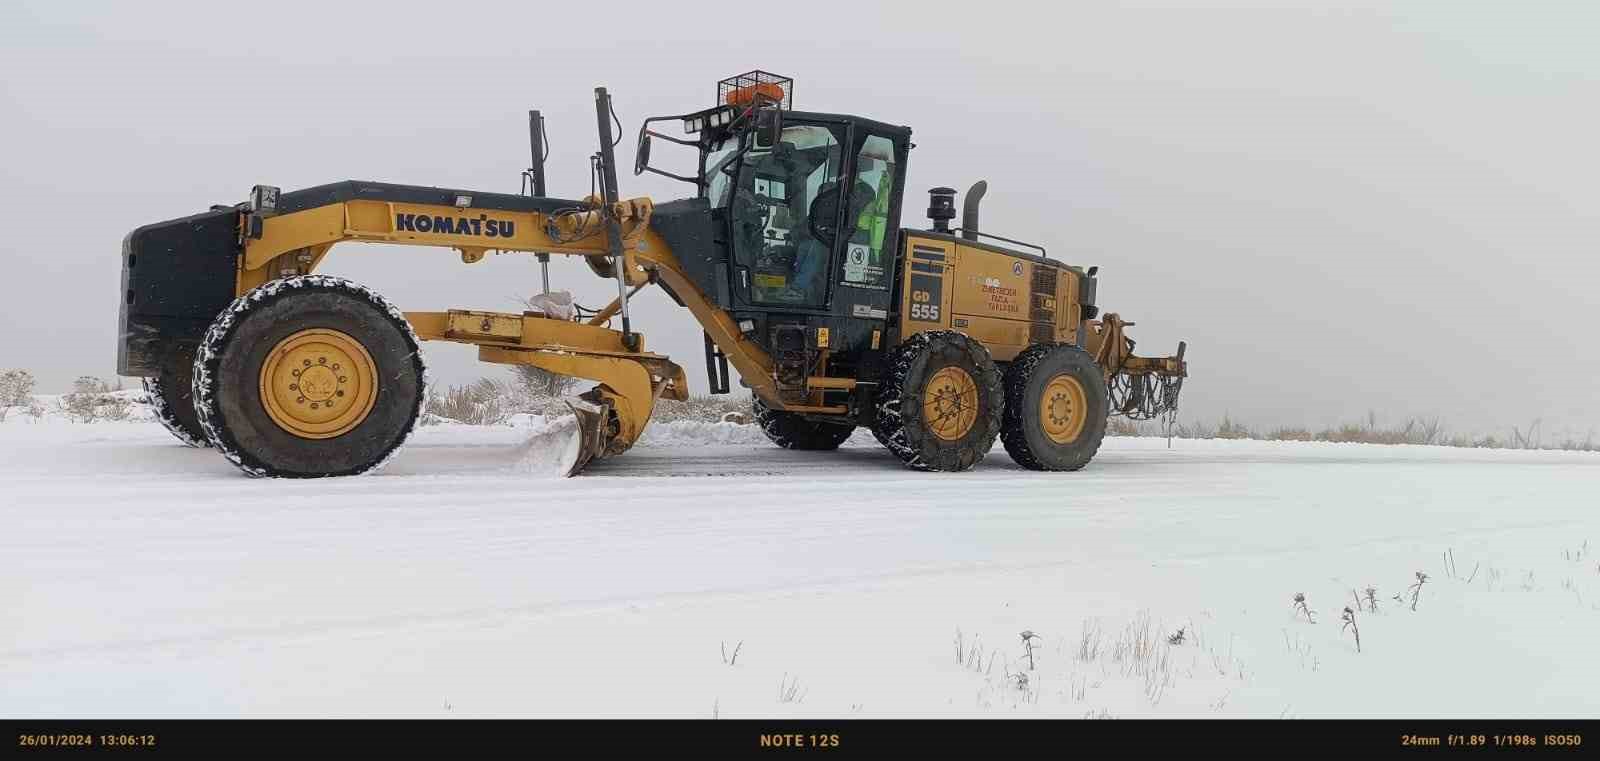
x,y
140,578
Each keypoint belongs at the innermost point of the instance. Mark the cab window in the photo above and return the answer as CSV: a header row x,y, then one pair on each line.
x,y
718,171
785,206
867,220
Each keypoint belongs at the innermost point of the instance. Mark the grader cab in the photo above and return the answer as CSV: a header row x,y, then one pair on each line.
x,y
789,254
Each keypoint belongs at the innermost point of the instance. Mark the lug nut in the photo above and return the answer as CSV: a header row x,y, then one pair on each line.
x,y
322,360
301,400
340,392
294,387
342,378
295,372
306,362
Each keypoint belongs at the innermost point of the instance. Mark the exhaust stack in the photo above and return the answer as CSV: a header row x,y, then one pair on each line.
x,y
969,209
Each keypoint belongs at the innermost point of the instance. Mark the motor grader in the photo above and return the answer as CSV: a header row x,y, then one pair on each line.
x,y
790,254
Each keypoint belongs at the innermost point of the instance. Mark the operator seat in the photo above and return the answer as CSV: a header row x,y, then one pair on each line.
x,y
811,252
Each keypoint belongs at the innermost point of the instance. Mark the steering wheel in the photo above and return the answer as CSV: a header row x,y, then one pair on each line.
x,y
824,213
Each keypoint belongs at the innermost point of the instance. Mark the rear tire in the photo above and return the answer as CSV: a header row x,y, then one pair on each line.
x,y
171,397
1056,408
309,376
790,431
940,403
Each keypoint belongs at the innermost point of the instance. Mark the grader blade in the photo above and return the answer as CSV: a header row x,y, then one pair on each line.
x,y
589,436
566,445
607,419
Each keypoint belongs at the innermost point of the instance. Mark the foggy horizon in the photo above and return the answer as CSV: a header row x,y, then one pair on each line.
x,y
1383,208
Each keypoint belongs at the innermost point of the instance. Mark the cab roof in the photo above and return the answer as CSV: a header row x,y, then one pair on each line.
x,y
898,131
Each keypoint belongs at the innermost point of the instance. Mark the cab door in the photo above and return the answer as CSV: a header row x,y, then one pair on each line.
x,y
785,215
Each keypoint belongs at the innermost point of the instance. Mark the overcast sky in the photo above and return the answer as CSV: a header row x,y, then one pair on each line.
x,y
1384,206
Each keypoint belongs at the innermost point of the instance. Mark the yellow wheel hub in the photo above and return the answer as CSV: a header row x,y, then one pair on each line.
x,y
318,383
1063,409
950,403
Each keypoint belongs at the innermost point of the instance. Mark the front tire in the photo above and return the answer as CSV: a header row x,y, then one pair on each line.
x,y
171,397
1056,408
309,376
790,431
940,403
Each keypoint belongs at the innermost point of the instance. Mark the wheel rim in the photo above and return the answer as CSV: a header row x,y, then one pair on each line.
x,y
318,383
1063,409
950,403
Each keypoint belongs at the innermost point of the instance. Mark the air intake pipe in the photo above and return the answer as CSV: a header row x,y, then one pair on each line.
x,y
942,208
969,209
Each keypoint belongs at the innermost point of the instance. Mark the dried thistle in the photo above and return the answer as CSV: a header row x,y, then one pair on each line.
x,y
1300,607
1027,646
1416,589
1176,638
1349,619
789,692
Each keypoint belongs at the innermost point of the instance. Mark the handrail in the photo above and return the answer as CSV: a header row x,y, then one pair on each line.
x,y
1041,249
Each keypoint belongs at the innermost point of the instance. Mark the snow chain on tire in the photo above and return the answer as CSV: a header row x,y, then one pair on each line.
x,y
170,395
901,419
383,391
791,431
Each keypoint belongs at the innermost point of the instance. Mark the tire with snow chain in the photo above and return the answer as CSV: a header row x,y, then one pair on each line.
x,y
940,402
171,397
876,434
309,376
790,431
1056,407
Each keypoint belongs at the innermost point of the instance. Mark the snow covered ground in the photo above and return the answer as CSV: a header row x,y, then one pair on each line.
x,y
141,579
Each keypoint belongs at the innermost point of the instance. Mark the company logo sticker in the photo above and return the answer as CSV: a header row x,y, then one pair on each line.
x,y
480,225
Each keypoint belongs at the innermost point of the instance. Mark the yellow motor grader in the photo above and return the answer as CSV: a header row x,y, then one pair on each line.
x,y
790,254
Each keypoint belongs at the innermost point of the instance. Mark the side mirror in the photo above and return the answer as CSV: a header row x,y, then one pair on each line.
x,y
641,156
769,127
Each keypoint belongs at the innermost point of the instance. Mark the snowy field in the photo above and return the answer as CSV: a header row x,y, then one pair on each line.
x,y
143,579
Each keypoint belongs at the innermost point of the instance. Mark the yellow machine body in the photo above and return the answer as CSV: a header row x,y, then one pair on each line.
x,y
1004,301
819,357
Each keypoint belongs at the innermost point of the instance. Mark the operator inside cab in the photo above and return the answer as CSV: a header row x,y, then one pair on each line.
x,y
786,214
